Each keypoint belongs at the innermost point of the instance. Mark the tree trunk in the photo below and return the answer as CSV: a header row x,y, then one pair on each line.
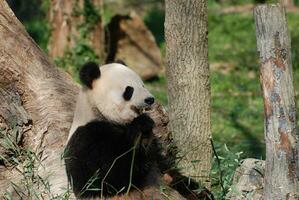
x,y
66,18
188,85
281,135
37,99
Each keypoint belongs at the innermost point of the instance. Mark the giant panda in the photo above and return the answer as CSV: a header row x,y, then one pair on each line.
x,y
111,149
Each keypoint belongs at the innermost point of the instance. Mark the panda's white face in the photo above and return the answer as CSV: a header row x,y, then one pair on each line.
x,y
119,93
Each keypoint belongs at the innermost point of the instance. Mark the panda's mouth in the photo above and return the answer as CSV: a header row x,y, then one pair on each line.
x,y
140,110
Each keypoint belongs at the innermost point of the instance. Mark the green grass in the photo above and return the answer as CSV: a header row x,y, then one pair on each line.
x,y
232,40
237,109
158,89
26,162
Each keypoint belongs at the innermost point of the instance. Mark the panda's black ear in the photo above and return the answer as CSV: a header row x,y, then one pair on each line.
x,y
119,61
88,73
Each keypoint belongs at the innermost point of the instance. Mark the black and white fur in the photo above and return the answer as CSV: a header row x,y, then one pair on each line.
x,y
111,146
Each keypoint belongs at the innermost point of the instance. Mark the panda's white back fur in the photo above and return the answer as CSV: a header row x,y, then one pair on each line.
x,y
83,113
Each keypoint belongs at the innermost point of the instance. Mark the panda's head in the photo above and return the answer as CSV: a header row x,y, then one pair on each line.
x,y
116,91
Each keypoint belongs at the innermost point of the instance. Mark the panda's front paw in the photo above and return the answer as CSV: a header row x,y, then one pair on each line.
x,y
144,123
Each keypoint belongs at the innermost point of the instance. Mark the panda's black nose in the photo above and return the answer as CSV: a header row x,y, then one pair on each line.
x,y
149,100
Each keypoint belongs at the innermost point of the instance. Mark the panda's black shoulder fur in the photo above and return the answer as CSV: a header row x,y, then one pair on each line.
x,y
100,147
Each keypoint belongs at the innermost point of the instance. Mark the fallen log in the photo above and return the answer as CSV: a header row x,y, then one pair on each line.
x,y
128,39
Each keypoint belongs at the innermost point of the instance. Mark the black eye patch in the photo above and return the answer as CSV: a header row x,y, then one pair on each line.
x,y
128,93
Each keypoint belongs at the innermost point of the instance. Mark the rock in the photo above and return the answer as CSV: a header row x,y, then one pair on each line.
x,y
129,40
248,181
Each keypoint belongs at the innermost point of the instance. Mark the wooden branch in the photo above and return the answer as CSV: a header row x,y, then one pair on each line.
x,y
281,135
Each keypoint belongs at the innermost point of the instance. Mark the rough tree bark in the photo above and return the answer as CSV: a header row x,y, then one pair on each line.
x,y
39,99
36,95
64,23
188,84
281,134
